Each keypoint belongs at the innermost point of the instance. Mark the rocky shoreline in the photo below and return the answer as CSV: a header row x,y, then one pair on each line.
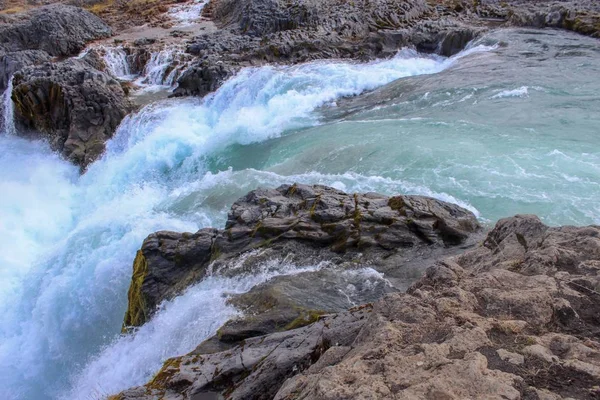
x,y
509,315
76,104
406,297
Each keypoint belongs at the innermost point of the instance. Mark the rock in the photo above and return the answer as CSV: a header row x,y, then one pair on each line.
x,y
58,29
513,358
483,324
254,32
76,107
14,61
306,225
290,301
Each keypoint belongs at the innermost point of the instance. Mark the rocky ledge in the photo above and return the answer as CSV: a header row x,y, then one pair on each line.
x,y
255,32
515,317
305,225
71,102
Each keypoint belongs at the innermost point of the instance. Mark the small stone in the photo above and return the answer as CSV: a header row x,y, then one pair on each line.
x,y
513,358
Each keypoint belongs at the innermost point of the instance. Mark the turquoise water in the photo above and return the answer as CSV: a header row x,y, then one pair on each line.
x,y
510,126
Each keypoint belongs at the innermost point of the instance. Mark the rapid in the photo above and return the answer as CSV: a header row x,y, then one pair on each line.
x,y
510,125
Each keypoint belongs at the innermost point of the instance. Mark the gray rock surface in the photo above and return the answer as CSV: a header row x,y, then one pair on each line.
x,y
255,32
16,60
515,318
59,30
305,225
76,107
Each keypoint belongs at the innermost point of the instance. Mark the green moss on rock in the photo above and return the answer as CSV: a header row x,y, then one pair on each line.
x,y
136,311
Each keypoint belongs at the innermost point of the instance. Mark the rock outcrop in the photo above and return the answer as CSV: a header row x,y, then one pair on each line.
x,y
306,225
516,318
16,60
76,107
70,103
58,29
255,32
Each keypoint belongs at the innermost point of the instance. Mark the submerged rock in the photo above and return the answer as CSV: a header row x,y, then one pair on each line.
x,y
76,107
517,317
305,225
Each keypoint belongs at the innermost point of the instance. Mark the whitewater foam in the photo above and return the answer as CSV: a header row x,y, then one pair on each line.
x,y
187,14
8,109
115,59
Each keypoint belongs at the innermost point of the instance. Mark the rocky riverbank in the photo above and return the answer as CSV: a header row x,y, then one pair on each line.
x,y
512,315
78,105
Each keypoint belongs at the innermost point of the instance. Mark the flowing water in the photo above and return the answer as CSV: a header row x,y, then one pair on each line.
x,y
508,126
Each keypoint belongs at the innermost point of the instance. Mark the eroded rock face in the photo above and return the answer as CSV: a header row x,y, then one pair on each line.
x,y
306,225
70,103
515,318
15,61
76,107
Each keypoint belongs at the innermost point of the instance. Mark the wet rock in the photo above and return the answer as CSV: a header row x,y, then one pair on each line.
x,y
254,32
483,324
305,225
74,106
289,302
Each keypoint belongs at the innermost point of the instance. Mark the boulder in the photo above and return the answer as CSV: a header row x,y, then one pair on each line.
x,y
74,106
305,225
57,29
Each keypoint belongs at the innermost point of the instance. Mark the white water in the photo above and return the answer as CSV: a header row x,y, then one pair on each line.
x,y
187,14
8,109
178,328
69,241
115,59
164,67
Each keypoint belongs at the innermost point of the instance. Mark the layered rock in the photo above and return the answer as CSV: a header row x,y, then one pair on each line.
x,y
306,225
74,106
515,318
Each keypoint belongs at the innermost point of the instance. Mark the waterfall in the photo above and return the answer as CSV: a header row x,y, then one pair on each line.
x,y
164,67
115,59
8,109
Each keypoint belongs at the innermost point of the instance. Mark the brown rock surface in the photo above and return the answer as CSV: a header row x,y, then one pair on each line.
x,y
515,318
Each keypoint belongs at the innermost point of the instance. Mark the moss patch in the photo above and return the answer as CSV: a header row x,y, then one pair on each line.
x,y
136,311
168,370
306,317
